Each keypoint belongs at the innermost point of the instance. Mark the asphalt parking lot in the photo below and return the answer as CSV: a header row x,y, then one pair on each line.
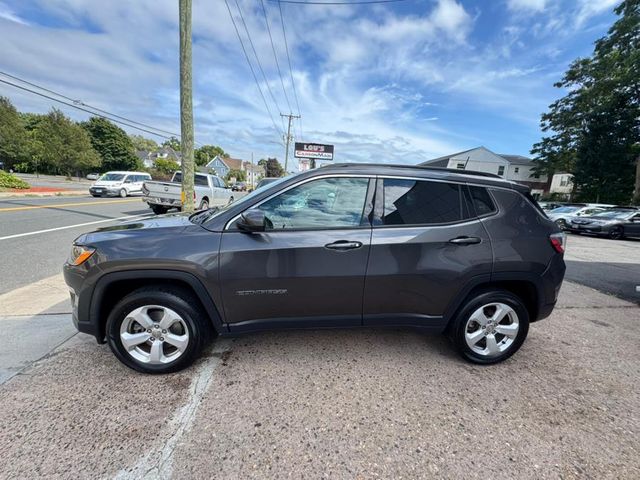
x,y
359,403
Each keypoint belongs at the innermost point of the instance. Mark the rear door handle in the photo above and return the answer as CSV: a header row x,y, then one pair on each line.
x,y
465,240
343,245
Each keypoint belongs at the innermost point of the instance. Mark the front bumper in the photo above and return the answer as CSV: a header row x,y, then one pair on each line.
x,y
80,292
108,191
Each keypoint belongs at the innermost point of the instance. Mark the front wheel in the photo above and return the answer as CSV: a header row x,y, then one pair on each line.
x,y
616,233
157,329
123,192
490,327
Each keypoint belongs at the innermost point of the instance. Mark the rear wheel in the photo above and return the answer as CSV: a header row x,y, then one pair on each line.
x,y
157,330
230,200
204,204
490,327
158,209
616,233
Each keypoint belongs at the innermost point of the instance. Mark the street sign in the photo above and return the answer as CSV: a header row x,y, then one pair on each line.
x,y
314,150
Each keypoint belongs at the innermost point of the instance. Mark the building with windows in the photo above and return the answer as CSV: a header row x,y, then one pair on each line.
x,y
510,167
222,165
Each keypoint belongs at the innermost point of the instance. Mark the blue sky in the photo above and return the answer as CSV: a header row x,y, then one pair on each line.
x,y
400,82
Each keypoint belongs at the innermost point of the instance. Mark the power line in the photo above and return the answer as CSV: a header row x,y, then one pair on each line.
x,y
275,55
286,46
363,2
255,77
84,109
258,59
80,102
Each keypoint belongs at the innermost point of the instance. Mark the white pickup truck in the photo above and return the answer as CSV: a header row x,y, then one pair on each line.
x,y
210,191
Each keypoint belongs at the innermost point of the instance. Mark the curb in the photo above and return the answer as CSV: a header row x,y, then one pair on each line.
x,y
61,193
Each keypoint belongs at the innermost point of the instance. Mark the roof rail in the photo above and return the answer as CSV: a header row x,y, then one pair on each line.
x,y
420,167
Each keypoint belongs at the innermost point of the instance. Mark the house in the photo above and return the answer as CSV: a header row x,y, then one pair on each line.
x,y
149,158
510,167
562,185
254,173
221,165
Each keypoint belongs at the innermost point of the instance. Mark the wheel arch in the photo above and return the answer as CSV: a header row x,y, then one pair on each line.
x,y
524,286
111,287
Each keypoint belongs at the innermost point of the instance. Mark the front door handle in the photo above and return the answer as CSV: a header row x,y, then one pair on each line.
x,y
465,240
343,245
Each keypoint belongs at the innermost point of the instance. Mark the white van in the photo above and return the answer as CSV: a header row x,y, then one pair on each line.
x,y
119,183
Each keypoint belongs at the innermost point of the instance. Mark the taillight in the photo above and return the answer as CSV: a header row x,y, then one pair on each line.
x,y
558,241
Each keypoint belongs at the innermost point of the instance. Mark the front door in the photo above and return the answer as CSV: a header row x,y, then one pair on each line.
x,y
308,267
426,246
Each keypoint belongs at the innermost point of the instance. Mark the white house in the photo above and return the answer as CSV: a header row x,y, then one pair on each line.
x,y
562,183
510,167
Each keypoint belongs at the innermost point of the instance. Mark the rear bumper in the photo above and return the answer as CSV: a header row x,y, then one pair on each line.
x,y
551,282
165,202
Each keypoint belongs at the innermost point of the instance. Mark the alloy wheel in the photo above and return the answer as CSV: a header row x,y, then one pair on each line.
x,y
154,334
492,329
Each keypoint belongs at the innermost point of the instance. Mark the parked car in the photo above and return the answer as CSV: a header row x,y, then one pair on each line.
x,y
548,206
93,176
239,187
347,245
615,223
266,181
120,184
209,190
562,215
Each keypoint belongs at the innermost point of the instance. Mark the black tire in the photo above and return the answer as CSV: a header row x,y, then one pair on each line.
x,y
123,193
230,200
458,328
95,195
181,301
204,204
616,233
158,209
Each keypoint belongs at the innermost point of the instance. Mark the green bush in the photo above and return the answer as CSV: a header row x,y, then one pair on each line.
x,y
8,180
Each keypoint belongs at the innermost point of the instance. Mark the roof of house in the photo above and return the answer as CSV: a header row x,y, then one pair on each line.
x,y
233,163
444,160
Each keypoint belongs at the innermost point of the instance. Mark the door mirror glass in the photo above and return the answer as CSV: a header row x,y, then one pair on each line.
x,y
253,221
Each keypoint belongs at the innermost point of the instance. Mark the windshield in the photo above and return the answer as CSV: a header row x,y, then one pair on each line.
x,y
565,209
112,177
613,214
205,215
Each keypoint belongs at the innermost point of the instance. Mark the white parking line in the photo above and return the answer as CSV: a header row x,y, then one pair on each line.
x,y
18,235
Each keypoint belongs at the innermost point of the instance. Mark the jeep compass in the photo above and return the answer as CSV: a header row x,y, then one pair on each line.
x,y
458,252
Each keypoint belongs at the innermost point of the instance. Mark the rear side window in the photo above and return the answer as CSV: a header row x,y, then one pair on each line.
x,y
201,180
419,202
481,201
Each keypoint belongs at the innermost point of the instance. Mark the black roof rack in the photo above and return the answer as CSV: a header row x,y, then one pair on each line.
x,y
419,167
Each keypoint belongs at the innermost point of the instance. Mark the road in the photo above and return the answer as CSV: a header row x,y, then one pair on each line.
x,y
36,233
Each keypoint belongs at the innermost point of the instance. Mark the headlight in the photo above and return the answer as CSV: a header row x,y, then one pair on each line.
x,y
80,254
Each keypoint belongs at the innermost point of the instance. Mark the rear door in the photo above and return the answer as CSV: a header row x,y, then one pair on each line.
x,y
308,267
426,245
632,225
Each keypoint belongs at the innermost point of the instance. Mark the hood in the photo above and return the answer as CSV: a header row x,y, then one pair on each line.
x,y
172,224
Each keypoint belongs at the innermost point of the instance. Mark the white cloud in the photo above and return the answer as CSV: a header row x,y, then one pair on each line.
x,y
527,5
591,8
450,17
7,14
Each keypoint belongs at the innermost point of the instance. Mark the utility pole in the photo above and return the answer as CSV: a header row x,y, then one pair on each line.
x,y
287,140
186,107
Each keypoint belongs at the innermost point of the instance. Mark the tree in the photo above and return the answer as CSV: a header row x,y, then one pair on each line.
x,y
63,146
594,130
273,168
13,136
112,144
173,143
239,175
142,143
206,153
167,166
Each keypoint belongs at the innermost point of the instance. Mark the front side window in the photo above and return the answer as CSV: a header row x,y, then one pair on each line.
x,y
417,202
323,203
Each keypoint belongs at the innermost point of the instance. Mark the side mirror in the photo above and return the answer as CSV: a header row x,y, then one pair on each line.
x,y
253,221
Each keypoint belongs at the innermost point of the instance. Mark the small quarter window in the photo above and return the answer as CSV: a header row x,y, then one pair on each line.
x,y
482,201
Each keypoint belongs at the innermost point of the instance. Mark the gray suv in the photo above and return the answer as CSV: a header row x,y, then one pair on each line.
x,y
463,253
